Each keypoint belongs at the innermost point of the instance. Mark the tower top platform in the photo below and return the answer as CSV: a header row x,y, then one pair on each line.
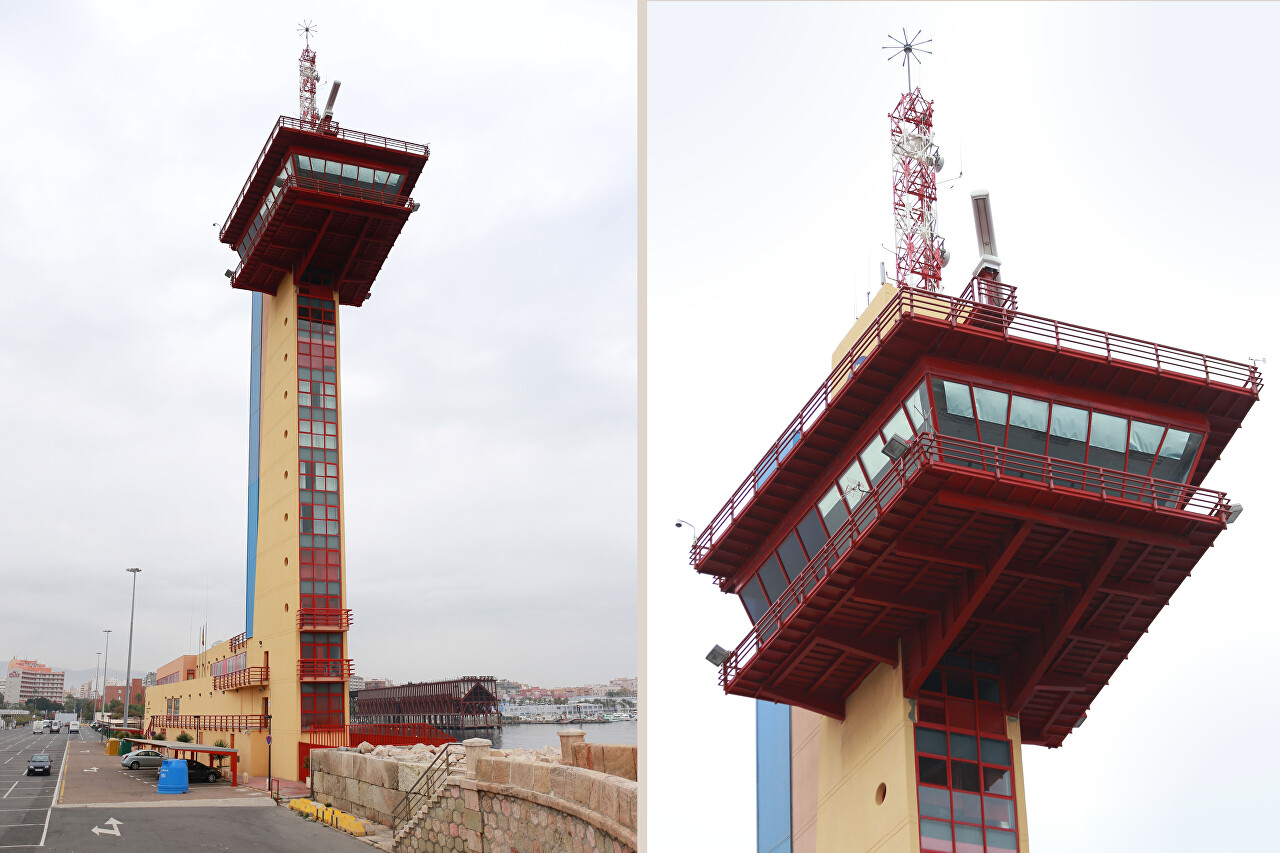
x,y
324,200
975,481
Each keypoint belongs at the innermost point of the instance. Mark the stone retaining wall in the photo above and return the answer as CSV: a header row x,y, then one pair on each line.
x,y
513,806
361,784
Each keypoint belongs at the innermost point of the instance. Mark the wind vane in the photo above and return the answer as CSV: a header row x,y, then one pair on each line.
x,y
908,47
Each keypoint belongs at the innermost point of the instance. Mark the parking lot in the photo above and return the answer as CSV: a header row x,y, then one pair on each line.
x,y
93,777
26,801
102,805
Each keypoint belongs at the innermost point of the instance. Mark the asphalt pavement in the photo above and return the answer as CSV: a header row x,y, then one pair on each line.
x,y
30,816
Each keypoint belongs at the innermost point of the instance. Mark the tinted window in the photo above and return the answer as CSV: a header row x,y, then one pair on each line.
x,y
853,484
954,409
1176,455
812,534
897,425
1028,424
993,412
1068,429
1144,440
917,406
874,460
1108,436
775,582
793,558
833,510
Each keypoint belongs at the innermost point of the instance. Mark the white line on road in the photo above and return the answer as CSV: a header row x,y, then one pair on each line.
x,y
59,785
8,792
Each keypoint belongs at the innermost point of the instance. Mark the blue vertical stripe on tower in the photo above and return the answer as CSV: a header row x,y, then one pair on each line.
x,y
773,778
255,442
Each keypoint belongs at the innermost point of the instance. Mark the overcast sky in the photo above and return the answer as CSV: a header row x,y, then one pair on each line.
x,y
489,396
1126,152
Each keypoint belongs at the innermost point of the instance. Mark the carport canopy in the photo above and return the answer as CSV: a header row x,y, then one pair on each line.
x,y
176,746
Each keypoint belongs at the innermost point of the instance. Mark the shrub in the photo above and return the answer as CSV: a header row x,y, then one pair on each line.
x,y
183,737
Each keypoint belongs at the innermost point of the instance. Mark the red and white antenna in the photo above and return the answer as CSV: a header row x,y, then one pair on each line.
x,y
307,77
919,251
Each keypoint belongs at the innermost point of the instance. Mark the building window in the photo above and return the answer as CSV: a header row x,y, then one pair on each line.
x,y
964,762
322,704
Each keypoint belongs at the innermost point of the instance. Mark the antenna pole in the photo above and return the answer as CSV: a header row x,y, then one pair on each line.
x,y
307,78
918,250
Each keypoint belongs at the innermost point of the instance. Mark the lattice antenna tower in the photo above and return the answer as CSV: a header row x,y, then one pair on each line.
x,y
919,252
307,77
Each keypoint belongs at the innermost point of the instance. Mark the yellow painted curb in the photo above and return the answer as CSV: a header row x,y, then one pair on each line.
x,y
331,816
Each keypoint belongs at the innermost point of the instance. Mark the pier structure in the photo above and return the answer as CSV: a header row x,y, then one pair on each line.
x,y
461,704
312,225
953,546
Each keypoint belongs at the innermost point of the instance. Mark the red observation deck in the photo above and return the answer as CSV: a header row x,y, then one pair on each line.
x,y
975,481
325,200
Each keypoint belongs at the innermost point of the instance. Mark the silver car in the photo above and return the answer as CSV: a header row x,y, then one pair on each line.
x,y
141,758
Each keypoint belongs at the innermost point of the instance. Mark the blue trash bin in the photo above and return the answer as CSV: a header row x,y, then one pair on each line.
x,y
173,777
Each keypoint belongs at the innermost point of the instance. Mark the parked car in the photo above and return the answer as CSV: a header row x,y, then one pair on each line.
x,y
39,763
197,772
140,758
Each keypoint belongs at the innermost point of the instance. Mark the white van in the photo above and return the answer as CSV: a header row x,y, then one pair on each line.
x,y
55,726
38,727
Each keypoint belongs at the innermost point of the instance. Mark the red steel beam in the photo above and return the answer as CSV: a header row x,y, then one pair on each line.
x,y
938,634
1060,624
963,500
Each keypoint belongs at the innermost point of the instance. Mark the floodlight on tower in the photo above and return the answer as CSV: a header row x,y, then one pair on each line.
x,y
919,251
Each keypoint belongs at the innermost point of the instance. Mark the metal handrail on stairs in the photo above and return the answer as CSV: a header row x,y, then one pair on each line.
x,y
428,787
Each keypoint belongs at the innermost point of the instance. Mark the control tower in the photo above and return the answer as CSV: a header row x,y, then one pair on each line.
x,y
313,224
955,543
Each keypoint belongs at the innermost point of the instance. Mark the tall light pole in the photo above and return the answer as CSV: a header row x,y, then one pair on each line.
x,y
128,667
93,700
106,649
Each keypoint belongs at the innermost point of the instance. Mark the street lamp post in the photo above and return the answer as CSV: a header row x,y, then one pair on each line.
x,y
93,700
128,667
106,654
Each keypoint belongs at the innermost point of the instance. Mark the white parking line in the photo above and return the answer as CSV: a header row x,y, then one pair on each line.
x,y
8,792
59,785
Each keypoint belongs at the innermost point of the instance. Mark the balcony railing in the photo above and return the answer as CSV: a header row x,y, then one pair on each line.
x,y
238,642
324,669
378,734
209,722
315,618
331,130
931,450
247,677
912,302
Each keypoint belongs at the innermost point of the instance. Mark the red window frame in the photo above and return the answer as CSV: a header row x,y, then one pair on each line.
x,y
976,760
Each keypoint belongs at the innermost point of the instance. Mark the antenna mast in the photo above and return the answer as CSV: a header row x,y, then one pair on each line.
x,y
307,77
920,253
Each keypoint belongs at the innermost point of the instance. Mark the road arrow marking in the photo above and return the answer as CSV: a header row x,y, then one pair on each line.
x,y
114,830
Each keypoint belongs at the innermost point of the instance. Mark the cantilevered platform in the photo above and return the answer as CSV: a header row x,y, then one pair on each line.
x,y
916,324
341,221
1053,568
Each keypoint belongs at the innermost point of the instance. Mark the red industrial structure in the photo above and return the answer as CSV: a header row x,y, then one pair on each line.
x,y
470,702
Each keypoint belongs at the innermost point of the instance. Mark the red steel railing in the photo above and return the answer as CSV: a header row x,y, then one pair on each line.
x,y
209,722
932,450
912,302
330,129
247,677
324,619
324,668
238,642
378,734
